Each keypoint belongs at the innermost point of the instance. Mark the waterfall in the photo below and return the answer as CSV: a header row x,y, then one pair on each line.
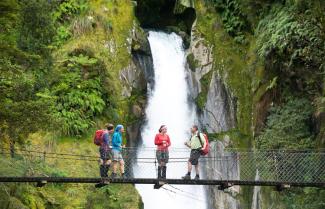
x,y
168,105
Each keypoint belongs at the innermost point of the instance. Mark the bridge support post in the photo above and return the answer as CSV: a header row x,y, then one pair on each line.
x,y
158,184
41,183
224,186
281,187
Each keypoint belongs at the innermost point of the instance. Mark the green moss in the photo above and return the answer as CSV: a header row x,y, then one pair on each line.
x,y
201,99
103,32
62,195
192,62
232,61
238,139
33,202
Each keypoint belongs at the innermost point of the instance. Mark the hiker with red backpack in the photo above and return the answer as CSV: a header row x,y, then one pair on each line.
x,y
162,141
102,139
198,145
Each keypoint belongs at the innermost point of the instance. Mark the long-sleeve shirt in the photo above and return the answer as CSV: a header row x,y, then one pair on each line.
x,y
106,138
194,142
162,141
117,141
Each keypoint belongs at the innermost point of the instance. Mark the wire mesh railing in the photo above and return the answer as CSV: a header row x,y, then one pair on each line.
x,y
219,164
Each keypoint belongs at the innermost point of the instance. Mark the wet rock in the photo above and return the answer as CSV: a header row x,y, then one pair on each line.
x,y
219,112
132,77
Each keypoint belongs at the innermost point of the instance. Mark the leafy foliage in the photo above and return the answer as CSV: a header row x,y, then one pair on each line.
x,y
63,15
293,45
66,10
21,111
308,197
78,93
287,126
60,195
234,20
37,28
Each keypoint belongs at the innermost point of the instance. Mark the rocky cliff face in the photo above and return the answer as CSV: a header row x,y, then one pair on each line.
x,y
217,114
136,78
218,111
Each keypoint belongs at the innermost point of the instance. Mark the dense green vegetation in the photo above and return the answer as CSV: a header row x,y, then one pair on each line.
x,y
59,76
270,54
288,127
280,57
53,64
60,195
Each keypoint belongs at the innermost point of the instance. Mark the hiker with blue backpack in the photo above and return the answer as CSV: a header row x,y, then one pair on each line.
x,y
117,150
103,139
198,144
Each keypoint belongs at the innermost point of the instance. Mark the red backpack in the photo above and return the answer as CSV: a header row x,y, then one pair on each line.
x,y
99,137
207,147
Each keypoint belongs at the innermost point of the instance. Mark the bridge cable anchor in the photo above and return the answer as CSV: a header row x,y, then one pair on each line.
x,y
281,187
159,184
225,185
41,183
103,182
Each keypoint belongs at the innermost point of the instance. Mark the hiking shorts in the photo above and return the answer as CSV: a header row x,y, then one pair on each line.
x,y
162,156
194,156
105,153
117,155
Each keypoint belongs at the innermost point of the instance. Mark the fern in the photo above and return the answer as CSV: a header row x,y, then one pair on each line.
x,y
292,44
287,126
79,98
233,18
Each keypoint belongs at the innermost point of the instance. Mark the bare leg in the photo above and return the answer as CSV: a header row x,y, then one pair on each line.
x,y
189,166
122,166
108,162
197,169
101,162
114,166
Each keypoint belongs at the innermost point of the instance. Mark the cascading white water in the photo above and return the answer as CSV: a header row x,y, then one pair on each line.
x,y
168,105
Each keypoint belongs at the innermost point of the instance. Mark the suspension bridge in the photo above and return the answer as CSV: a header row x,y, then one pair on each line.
x,y
221,167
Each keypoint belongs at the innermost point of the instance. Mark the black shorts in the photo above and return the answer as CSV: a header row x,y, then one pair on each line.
x,y
162,156
105,153
194,157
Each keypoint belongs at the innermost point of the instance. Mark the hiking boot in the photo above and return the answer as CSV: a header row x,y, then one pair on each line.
x,y
123,176
159,172
197,177
106,168
102,183
186,177
102,171
164,169
113,175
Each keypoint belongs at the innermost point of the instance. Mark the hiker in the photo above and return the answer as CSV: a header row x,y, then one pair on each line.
x,y
196,144
117,150
105,150
162,141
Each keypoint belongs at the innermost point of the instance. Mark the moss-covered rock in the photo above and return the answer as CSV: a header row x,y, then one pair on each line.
x,y
205,85
192,62
232,61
